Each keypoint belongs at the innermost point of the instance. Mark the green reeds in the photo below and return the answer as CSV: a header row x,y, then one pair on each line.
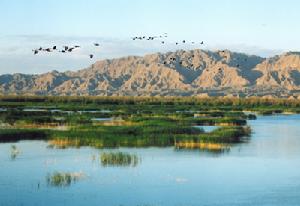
x,y
119,159
63,179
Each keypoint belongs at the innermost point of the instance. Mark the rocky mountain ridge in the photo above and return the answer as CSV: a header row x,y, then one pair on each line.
x,y
180,73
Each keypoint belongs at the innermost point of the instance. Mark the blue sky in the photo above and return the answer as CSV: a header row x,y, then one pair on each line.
x,y
253,26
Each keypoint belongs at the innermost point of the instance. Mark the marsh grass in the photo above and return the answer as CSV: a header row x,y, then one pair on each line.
x,y
63,179
136,122
119,159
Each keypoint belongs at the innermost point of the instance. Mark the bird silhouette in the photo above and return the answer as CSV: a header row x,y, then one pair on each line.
x,y
70,49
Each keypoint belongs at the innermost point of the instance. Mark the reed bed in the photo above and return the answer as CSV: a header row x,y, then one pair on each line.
x,y
119,159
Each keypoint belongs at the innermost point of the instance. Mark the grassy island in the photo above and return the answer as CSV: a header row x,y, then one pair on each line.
x,y
104,122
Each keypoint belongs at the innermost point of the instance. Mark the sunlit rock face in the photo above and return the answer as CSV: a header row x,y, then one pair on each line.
x,y
180,73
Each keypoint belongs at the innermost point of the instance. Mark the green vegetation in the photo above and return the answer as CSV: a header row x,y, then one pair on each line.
x,y
119,159
61,179
121,105
131,122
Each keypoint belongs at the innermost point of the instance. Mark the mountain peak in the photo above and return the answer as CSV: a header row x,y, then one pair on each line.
x,y
193,72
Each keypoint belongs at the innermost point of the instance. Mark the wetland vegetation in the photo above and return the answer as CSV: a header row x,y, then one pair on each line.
x,y
133,122
119,159
63,179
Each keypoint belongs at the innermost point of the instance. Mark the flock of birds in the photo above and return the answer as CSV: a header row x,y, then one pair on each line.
x,y
172,60
165,35
65,49
69,49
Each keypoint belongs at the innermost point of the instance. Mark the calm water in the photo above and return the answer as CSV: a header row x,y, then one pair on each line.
x,y
265,171
207,128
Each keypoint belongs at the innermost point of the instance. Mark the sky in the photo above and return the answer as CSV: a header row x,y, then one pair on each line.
x,y
264,28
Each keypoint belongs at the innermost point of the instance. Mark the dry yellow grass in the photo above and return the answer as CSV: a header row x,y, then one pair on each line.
x,y
200,145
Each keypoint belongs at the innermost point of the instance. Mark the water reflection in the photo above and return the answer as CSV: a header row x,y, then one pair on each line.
x,y
210,148
180,145
14,152
261,172
208,128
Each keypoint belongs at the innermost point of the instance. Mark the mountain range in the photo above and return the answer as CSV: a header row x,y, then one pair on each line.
x,y
180,73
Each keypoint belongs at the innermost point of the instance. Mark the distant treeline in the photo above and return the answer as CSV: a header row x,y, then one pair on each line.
x,y
209,101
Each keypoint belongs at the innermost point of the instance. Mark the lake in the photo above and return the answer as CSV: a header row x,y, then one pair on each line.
x,y
263,171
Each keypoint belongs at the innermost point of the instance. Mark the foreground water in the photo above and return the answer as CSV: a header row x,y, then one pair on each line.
x,y
264,171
